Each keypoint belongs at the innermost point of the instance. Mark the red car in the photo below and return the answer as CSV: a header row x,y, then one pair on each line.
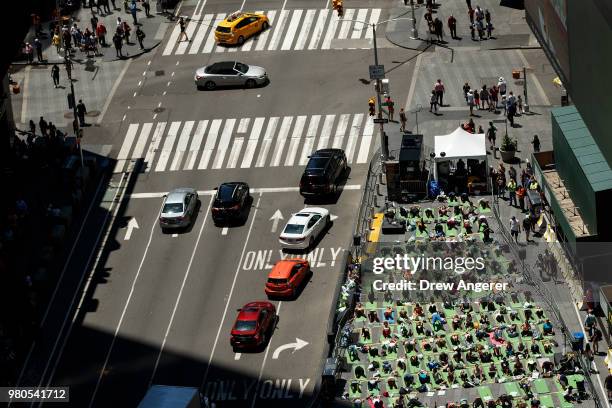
x,y
253,326
286,277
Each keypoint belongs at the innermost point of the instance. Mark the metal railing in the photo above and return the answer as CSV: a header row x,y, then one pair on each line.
x,y
369,200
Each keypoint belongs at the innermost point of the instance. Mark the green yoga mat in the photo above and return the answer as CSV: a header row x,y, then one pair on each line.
x,y
513,389
485,393
546,401
541,387
562,402
423,234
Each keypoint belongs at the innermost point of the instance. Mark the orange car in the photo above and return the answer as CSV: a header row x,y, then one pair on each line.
x,y
239,26
286,277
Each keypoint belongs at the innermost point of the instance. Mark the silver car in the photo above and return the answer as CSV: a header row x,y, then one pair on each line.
x,y
230,73
178,209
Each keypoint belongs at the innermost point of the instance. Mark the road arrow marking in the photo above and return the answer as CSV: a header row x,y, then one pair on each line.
x,y
333,217
130,227
299,344
275,219
224,231
237,356
174,235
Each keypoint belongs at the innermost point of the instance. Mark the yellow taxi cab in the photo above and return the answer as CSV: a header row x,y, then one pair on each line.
x,y
239,26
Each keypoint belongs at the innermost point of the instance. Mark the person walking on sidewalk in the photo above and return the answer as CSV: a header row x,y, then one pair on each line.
x,y
439,90
55,74
466,89
536,143
511,186
81,111
182,27
492,135
471,15
515,228
133,11
470,101
140,35
38,46
452,26
527,227
595,339
43,125
439,29
520,193
118,43
403,120
589,323
390,107
484,97
126,31
94,23
56,41
28,50
147,7
101,33
433,102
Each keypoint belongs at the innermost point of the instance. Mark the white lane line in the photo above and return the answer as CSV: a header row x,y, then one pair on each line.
x,y
205,25
308,19
311,134
278,31
264,190
61,278
196,142
252,143
125,307
113,90
142,140
174,235
224,143
162,161
353,135
191,26
293,26
294,143
213,132
263,363
243,125
171,41
210,40
359,28
224,229
25,96
374,16
155,141
326,131
263,37
182,144
366,141
124,152
180,294
331,32
417,65
229,297
232,160
341,131
267,141
237,356
318,30
346,24
281,140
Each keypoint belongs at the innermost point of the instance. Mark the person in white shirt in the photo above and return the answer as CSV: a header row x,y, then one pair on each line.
x,y
501,85
515,228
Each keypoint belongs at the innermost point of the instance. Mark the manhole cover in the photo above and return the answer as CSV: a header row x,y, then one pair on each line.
x,y
160,72
159,110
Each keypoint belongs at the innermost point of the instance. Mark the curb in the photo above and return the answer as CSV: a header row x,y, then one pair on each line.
x,y
51,62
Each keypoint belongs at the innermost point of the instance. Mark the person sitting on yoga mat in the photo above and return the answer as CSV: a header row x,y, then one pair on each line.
x,y
409,345
457,211
499,317
365,333
432,308
373,351
359,311
568,395
457,357
426,345
471,357
526,329
547,369
420,329
478,403
467,226
436,318
386,331
424,377
479,374
518,368
443,358
521,404
414,360
497,351
532,366
521,348
456,323
534,348
469,340
418,310
451,223
498,334
548,328
485,356
441,342
451,376
388,313
512,331
528,314
403,313
454,340
514,315
373,316
505,366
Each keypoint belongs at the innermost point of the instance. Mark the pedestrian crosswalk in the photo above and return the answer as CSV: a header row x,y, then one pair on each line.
x,y
310,29
260,142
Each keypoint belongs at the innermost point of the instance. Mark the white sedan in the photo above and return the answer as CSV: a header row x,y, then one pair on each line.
x,y
304,227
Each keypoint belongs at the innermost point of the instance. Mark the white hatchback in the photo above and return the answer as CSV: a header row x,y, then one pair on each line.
x,y
304,227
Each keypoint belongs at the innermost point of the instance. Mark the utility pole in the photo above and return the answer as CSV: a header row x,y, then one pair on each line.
x,y
414,34
72,102
526,106
383,145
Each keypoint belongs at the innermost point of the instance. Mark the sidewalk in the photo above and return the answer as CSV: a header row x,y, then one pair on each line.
x,y
510,27
153,26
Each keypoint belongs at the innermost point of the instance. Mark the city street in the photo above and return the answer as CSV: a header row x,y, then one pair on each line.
x,y
160,306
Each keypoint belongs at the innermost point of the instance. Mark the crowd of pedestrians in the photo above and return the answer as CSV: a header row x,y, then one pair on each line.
x,y
480,23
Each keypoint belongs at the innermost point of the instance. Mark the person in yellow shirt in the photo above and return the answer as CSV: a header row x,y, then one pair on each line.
x,y
511,186
57,42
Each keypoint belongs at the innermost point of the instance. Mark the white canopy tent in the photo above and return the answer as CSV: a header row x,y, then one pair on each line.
x,y
459,145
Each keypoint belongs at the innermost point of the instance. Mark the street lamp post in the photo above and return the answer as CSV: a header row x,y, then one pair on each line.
x,y
72,100
414,33
383,145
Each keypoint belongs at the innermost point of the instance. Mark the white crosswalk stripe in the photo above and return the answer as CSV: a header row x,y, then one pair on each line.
x,y
245,143
294,29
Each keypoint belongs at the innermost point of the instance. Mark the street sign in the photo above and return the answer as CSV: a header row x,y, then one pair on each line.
x,y
381,120
377,71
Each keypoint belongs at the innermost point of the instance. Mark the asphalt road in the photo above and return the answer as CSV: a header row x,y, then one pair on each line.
x,y
160,306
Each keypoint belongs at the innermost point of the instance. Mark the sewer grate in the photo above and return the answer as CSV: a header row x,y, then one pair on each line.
x,y
160,72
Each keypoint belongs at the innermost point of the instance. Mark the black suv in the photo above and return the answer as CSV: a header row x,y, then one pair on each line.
x,y
231,203
323,172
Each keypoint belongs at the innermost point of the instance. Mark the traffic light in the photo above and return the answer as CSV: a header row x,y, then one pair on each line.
x,y
372,106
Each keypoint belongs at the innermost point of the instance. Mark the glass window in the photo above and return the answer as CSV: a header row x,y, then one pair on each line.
x,y
294,229
172,208
222,29
245,325
241,67
317,163
225,193
276,281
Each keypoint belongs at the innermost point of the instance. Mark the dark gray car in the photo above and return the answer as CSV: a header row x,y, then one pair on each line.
x,y
230,73
178,209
